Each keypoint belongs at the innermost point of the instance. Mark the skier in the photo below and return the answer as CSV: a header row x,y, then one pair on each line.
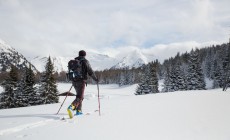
x,y
79,83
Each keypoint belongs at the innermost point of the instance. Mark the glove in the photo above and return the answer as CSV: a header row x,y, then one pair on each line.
x,y
96,80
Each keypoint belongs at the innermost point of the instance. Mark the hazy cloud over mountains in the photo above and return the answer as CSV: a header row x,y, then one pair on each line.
x,y
57,27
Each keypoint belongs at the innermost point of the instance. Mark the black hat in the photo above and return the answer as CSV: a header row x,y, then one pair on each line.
x,y
82,53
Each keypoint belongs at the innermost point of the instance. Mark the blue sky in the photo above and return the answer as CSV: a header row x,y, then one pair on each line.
x,y
60,27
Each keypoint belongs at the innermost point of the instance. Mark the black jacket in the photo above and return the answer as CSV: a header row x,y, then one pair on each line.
x,y
86,68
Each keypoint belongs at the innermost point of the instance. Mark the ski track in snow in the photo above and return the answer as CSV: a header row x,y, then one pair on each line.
x,y
24,127
26,130
48,123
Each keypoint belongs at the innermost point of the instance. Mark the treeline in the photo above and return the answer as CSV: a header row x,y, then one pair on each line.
x,y
189,70
24,88
119,76
186,71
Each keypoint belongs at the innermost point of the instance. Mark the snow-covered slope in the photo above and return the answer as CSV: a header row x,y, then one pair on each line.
x,y
60,63
5,47
9,55
97,61
134,59
101,61
184,115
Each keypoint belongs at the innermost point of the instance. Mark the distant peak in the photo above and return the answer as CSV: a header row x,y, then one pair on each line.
x,y
133,59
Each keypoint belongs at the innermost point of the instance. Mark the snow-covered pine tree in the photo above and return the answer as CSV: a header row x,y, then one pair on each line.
x,y
195,77
167,83
48,88
207,64
29,87
11,87
179,75
126,77
153,81
217,78
226,68
173,80
143,87
130,76
34,97
22,97
122,79
149,80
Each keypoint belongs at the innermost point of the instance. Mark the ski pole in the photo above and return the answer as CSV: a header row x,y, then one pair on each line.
x,y
64,99
99,105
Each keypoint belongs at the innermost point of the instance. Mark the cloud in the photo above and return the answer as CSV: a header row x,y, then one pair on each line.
x,y
57,27
159,51
165,51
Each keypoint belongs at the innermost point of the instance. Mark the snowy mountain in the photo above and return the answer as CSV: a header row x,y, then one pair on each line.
x,y
9,55
134,59
101,61
59,63
97,61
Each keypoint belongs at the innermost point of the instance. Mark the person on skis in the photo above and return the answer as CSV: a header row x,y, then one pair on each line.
x,y
80,83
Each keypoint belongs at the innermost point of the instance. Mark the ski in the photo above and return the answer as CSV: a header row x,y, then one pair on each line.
x,y
71,116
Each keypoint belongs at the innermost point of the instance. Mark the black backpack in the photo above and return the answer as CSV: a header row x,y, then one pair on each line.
x,y
75,70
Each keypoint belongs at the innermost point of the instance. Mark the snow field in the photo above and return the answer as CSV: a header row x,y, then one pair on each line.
x,y
184,115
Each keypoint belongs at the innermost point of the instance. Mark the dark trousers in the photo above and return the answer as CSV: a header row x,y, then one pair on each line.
x,y
80,88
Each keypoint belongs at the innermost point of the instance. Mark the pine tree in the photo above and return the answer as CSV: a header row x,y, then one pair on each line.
x,y
122,79
28,90
173,78
217,78
11,87
195,77
167,82
48,88
22,97
180,76
130,77
208,63
226,68
149,81
153,82
143,87
34,98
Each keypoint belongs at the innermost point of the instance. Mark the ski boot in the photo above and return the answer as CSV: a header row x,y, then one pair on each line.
x,y
79,112
70,109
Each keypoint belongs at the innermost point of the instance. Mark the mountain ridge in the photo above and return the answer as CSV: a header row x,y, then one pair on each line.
x,y
9,56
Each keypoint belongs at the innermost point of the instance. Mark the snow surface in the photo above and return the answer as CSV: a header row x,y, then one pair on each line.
x,y
184,115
